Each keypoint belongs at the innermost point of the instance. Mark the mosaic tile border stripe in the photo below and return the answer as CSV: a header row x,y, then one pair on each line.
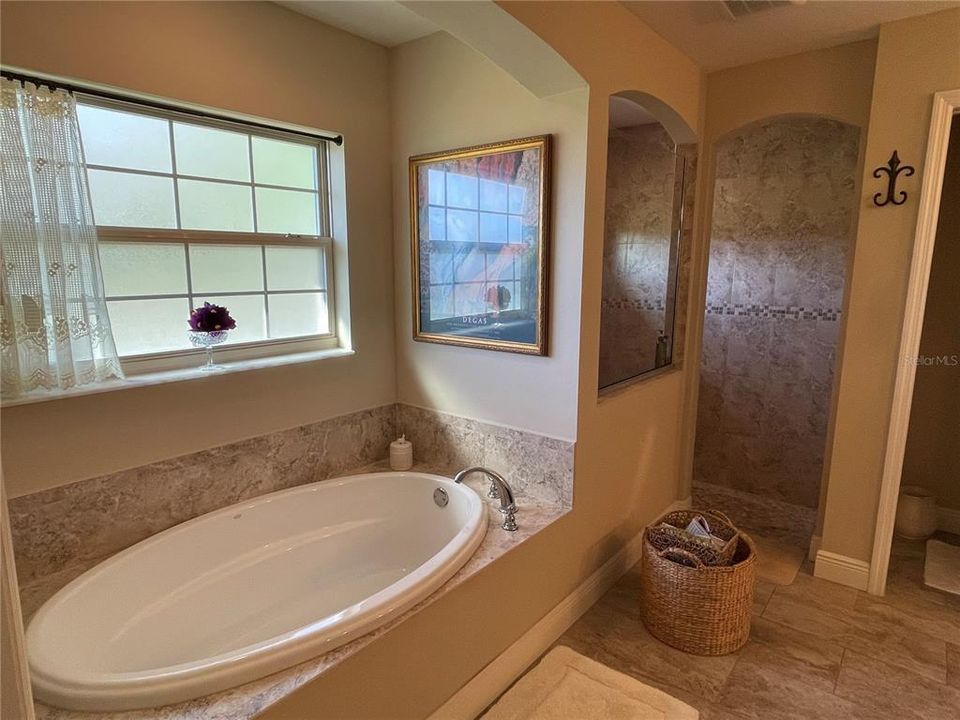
x,y
786,312
629,304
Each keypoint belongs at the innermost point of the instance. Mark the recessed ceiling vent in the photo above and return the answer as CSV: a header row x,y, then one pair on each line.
x,y
742,8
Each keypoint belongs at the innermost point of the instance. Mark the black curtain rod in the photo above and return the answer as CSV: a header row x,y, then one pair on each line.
x,y
335,139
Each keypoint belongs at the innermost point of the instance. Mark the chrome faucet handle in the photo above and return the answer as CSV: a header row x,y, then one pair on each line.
x,y
499,489
509,518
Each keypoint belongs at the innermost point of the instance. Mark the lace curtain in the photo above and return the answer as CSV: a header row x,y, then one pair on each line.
x,y
54,328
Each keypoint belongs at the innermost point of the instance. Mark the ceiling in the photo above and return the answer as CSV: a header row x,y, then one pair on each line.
x,y
385,22
708,33
705,30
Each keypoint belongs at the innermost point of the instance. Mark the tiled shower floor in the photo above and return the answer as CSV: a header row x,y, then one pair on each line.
x,y
817,650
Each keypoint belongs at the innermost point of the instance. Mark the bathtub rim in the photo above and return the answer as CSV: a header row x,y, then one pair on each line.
x,y
199,678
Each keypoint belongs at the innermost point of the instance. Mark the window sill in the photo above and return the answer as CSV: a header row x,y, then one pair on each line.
x,y
185,374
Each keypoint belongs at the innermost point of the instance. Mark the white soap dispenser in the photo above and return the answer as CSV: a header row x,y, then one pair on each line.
x,y
401,454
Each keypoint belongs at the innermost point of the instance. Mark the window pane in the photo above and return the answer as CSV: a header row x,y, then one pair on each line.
x,y
469,299
287,211
461,226
226,268
214,206
493,196
247,310
146,326
461,191
438,223
500,267
143,268
125,140
514,229
469,266
276,162
296,314
295,268
210,152
132,200
441,301
441,268
435,187
517,195
493,228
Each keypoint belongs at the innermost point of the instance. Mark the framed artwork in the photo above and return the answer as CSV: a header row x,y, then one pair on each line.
x,y
479,224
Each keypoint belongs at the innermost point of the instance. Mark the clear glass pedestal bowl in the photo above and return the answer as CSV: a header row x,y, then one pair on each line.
x,y
207,341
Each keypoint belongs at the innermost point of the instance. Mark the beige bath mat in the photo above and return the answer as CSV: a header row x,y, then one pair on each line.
x,y
569,686
941,569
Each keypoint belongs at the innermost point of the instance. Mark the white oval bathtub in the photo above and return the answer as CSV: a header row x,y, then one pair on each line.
x,y
246,591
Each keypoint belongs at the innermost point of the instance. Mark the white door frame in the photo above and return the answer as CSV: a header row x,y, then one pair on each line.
x,y
945,104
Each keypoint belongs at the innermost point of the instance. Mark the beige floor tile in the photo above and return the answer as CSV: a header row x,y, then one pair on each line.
x,y
953,666
762,591
807,658
766,691
801,613
620,641
891,692
778,562
923,615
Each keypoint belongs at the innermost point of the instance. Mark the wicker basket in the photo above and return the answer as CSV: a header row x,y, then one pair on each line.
x,y
693,607
670,532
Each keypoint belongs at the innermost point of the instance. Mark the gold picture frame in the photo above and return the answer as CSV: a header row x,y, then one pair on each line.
x,y
480,244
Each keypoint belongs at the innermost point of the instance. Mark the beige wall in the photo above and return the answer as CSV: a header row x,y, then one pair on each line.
x,y
915,58
933,454
628,442
445,95
626,456
253,58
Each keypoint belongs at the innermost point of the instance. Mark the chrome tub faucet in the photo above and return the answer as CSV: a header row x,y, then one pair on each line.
x,y
498,489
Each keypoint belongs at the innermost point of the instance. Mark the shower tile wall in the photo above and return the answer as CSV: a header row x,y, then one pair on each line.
x,y
783,209
636,253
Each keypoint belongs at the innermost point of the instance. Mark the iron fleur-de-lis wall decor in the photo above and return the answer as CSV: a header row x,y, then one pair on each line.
x,y
893,170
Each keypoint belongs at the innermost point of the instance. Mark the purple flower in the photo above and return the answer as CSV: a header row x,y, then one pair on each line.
x,y
211,318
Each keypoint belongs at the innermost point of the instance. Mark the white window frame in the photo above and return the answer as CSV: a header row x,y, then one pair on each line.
x,y
190,357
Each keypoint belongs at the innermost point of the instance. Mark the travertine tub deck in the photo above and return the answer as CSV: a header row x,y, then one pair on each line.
x,y
245,701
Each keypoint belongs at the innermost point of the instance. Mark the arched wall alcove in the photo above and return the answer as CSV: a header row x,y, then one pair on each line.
x,y
651,163
783,214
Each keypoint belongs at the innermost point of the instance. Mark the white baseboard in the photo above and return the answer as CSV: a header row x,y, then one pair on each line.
x,y
815,542
484,687
948,520
842,569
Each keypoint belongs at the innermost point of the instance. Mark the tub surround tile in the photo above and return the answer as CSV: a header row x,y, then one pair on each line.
x,y
58,531
245,701
70,525
538,468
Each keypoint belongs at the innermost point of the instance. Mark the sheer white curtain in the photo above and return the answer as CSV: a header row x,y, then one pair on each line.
x,y
54,328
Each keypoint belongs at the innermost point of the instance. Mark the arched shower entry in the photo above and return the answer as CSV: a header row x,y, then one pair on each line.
x,y
783,215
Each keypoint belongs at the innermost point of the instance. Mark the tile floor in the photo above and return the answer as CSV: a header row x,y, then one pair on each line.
x,y
817,650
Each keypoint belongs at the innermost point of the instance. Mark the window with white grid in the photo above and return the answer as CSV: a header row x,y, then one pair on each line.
x,y
191,210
